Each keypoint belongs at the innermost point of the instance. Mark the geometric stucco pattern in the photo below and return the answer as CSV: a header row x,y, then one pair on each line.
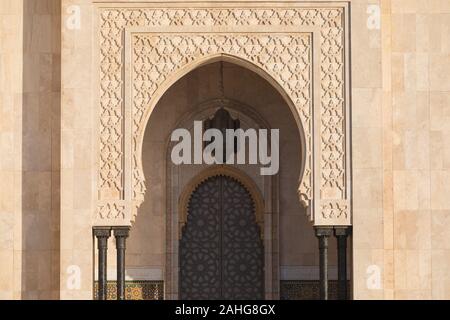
x,y
324,122
286,58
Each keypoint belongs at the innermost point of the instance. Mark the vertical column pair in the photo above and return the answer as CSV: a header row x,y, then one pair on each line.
x,y
341,234
103,234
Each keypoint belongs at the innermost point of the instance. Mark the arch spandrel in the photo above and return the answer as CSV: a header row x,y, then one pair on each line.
x,y
155,60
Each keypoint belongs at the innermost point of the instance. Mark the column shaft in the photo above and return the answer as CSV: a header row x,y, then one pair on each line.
x,y
121,235
341,236
323,234
102,235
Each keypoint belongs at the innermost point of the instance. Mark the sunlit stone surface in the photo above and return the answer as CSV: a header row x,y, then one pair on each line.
x,y
90,93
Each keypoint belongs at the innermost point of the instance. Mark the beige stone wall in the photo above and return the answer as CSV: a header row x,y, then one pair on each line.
x,y
29,142
367,153
400,157
78,159
417,99
11,14
399,149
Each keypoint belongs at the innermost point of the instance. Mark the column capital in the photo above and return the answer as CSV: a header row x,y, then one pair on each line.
x,y
324,231
342,231
102,232
121,232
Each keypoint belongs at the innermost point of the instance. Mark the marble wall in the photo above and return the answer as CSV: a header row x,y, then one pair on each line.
x,y
416,51
400,203
400,149
30,158
78,158
11,17
367,154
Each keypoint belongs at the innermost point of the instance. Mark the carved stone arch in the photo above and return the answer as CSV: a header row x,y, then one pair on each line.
x,y
303,46
226,171
139,186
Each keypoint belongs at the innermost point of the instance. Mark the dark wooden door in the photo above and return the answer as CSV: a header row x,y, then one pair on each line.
x,y
221,251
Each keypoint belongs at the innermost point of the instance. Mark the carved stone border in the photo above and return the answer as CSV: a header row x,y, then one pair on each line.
x,y
325,184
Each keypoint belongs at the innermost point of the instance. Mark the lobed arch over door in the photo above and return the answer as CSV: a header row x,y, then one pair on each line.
x,y
173,77
198,63
280,43
293,81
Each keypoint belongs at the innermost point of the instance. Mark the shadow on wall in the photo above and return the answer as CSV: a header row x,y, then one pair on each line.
x,y
41,127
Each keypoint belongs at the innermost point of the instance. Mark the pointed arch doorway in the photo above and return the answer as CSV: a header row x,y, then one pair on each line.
x,y
221,247
183,180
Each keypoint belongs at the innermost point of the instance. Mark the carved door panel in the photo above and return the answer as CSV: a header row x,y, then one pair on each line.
x,y
221,252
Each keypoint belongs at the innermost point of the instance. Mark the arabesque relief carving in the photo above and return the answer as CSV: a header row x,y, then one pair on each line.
x,y
286,56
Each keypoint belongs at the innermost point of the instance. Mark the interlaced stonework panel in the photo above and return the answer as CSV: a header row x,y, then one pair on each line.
x,y
287,58
284,51
134,290
307,290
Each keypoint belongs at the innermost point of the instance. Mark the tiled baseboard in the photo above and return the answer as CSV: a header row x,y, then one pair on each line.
x,y
154,290
306,290
136,290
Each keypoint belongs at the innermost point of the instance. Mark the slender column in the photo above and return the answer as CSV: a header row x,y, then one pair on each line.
x,y
102,235
341,235
121,234
322,234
